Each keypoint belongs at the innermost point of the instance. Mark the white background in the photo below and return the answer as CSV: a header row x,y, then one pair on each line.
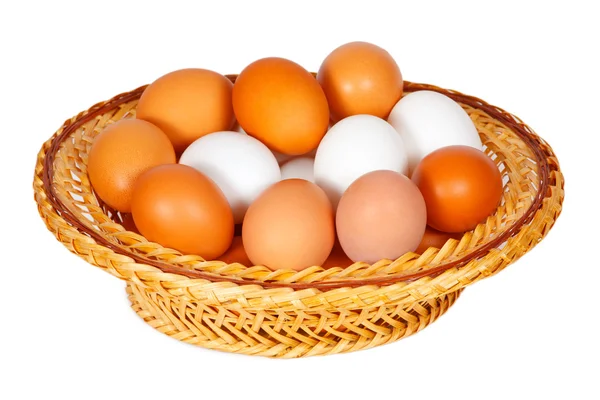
x,y
66,329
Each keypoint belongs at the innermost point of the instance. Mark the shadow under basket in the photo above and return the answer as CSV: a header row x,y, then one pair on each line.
x,y
284,313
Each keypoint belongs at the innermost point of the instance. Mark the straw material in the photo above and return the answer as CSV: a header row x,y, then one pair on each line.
x,y
280,334
284,313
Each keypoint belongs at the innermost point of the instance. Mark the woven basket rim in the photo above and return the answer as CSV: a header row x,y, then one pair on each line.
x,y
526,135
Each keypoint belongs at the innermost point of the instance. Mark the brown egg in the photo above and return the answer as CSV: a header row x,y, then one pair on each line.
x,y
188,104
281,104
120,154
381,215
435,238
236,253
360,78
290,226
337,258
182,209
461,186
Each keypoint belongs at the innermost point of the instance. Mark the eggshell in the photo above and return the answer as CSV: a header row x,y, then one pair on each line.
x,y
290,226
435,238
461,186
354,146
300,168
360,78
240,165
120,154
180,208
281,104
428,120
280,157
188,104
381,215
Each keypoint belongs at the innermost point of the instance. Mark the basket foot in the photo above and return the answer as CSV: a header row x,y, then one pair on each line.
x,y
283,334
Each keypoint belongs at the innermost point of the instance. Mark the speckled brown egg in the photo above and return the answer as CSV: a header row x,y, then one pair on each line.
x,y
120,154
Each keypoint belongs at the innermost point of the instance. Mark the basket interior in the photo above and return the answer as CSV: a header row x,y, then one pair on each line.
x,y
514,157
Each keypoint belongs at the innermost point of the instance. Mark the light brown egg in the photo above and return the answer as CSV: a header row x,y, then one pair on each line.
x,y
120,154
381,215
182,209
290,226
281,104
360,78
188,104
435,238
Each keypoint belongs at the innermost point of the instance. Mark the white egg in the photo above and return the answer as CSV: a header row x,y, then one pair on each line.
x,y
428,120
280,157
240,165
354,146
299,168
284,158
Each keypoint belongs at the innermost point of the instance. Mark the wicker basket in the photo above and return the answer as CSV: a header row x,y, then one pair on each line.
x,y
284,313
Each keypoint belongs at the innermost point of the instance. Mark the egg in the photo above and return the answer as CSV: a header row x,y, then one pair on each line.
x,y
280,157
290,226
281,104
299,167
354,146
284,158
428,120
120,154
435,238
188,104
382,215
236,253
182,209
461,185
241,166
360,78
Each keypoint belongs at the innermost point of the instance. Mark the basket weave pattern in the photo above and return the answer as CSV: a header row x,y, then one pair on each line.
x,y
284,313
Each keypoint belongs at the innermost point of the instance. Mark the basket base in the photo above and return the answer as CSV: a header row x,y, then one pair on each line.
x,y
283,334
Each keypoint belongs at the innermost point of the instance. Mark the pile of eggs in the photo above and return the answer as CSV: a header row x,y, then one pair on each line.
x,y
310,172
